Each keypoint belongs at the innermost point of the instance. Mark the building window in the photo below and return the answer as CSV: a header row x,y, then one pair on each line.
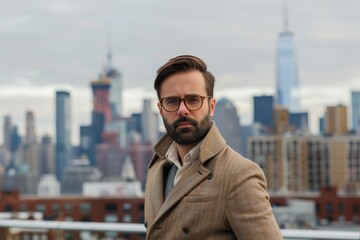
x,y
141,207
141,219
111,218
127,207
328,208
341,207
8,208
55,207
127,218
112,207
85,207
355,208
40,207
85,219
111,235
317,207
23,208
68,207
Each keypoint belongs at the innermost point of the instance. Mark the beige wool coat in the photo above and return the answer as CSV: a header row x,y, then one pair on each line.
x,y
221,196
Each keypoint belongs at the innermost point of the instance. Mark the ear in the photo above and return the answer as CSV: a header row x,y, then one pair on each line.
x,y
160,109
212,106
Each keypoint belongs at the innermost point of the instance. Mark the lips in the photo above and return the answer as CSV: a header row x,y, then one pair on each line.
x,y
184,124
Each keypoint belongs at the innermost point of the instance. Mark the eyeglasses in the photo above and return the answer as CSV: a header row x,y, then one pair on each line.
x,y
192,102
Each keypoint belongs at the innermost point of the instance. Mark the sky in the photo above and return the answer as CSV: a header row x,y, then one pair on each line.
x,y
62,45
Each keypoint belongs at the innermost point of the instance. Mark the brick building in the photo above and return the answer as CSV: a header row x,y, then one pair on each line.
x,y
78,208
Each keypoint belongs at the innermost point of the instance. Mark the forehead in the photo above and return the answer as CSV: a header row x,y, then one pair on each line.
x,y
184,83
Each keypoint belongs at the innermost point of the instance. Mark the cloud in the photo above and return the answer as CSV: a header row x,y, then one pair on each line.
x,y
62,44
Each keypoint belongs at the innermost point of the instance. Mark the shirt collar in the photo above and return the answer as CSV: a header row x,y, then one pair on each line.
x,y
173,156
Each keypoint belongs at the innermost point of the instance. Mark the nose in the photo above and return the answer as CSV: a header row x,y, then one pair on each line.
x,y
182,109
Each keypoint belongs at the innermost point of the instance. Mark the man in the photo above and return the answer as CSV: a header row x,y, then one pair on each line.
x,y
197,186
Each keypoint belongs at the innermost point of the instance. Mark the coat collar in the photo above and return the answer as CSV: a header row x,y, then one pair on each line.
x,y
210,146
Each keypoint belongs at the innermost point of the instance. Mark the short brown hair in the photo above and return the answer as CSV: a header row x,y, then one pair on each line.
x,y
184,63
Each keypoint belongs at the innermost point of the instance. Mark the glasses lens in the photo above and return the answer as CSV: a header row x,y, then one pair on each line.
x,y
171,103
193,102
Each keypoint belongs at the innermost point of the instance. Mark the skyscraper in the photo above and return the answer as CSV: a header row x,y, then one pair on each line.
x,y
336,120
30,136
281,119
7,132
101,102
355,110
115,89
46,156
30,150
228,122
63,132
287,82
263,112
12,138
149,123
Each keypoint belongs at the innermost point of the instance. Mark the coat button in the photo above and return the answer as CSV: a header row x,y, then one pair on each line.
x,y
185,230
210,176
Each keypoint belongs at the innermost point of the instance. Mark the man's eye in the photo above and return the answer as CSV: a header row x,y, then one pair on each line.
x,y
192,99
171,101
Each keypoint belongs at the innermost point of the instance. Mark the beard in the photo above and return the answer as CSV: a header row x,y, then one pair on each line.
x,y
188,135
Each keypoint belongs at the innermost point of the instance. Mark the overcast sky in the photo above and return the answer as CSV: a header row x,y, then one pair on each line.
x,y
62,45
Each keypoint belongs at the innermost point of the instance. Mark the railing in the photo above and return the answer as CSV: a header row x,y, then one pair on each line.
x,y
289,234
320,234
69,225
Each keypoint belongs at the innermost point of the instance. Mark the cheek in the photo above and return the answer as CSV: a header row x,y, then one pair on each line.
x,y
167,118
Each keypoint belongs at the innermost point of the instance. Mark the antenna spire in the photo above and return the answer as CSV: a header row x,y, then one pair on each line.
x,y
109,53
286,17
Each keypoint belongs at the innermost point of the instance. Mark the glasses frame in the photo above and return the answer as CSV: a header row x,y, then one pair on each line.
x,y
183,100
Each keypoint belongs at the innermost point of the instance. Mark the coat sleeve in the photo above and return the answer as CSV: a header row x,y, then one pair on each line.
x,y
248,209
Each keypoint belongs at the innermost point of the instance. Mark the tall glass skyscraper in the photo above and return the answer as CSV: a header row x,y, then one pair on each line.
x,y
63,132
287,82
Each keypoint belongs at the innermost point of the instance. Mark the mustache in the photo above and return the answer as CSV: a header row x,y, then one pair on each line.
x,y
183,119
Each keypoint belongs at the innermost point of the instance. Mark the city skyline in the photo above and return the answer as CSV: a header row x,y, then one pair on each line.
x,y
62,45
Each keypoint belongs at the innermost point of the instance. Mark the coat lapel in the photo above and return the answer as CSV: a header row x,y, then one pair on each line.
x,y
194,175
157,188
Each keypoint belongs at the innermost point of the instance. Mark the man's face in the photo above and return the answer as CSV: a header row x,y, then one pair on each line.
x,y
187,127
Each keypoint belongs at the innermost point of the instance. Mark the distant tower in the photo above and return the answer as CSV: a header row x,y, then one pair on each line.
x,y
228,122
263,112
101,103
63,132
336,120
31,147
281,119
116,88
287,82
30,136
46,158
149,123
7,132
355,110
